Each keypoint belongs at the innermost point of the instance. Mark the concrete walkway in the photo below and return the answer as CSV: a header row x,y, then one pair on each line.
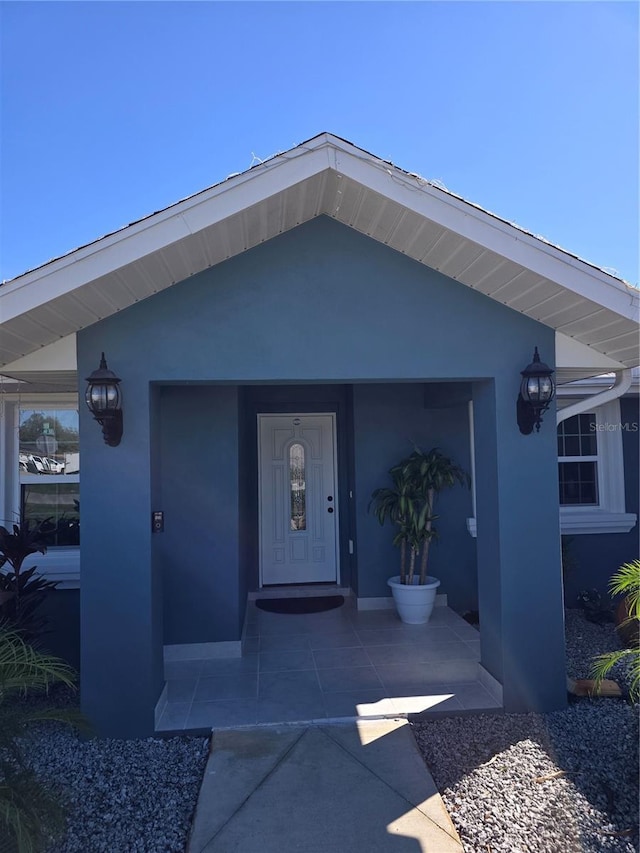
x,y
355,787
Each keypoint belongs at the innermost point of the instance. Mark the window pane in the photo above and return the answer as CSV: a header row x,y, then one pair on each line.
x,y
587,423
577,436
589,445
571,426
572,445
49,442
59,504
578,483
298,487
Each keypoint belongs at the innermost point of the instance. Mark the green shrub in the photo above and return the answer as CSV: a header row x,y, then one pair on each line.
x,y
21,590
30,815
626,582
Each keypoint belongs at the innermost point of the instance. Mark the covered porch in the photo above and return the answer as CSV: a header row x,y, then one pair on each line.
x,y
342,663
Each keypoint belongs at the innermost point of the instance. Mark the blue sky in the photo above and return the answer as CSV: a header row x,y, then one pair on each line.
x,y
111,111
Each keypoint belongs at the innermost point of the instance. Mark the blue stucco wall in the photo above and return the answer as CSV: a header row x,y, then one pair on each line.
x,y
519,571
121,589
598,556
199,481
388,421
320,304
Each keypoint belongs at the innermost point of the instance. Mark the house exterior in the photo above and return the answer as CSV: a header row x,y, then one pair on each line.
x,y
282,339
599,516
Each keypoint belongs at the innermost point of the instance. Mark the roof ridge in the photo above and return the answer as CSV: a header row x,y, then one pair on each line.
x,y
327,136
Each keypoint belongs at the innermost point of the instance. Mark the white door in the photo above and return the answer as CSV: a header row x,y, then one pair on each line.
x,y
298,507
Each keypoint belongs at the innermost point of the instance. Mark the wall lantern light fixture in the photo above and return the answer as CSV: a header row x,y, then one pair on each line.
x,y
536,393
104,399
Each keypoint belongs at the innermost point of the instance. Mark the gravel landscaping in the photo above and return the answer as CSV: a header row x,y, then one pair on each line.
x,y
122,796
528,783
564,782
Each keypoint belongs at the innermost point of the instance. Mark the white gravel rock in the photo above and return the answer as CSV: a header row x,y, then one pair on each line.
x,y
122,796
565,782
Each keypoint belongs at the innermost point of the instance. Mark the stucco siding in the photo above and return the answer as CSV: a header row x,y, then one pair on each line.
x,y
120,594
388,421
198,549
318,305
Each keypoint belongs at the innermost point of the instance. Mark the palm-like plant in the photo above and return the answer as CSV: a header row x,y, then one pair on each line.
x,y
397,505
417,480
29,813
626,581
21,590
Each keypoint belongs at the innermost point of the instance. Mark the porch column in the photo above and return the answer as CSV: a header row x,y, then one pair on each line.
x,y
121,603
518,546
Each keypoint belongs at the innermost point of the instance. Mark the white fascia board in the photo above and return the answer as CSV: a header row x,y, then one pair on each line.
x,y
104,256
593,385
488,231
152,234
71,272
275,176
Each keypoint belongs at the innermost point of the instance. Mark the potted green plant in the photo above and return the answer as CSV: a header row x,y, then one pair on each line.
x,y
409,505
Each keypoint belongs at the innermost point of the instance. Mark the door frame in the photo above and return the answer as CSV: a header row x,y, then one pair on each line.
x,y
336,490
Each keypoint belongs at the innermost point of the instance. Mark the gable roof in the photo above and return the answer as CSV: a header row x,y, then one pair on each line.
x,y
325,175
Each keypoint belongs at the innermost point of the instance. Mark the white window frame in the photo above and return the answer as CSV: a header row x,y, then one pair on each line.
x,y
595,457
609,515
60,563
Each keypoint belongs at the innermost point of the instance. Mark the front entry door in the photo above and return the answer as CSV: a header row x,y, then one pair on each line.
x,y
298,506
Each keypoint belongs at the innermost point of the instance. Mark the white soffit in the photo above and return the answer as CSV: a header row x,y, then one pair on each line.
x,y
50,369
33,382
329,176
60,355
577,361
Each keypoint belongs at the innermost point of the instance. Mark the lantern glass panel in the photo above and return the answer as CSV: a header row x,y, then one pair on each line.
x,y
99,397
103,398
546,388
113,396
533,389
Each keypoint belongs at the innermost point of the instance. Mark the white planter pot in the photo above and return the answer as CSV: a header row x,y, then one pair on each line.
x,y
414,603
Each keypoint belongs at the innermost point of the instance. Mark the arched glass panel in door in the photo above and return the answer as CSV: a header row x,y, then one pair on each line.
x,y
297,486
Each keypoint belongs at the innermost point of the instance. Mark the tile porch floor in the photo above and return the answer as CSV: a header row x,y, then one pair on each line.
x,y
343,663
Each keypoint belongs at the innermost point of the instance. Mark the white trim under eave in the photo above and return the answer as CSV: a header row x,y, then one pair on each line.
x,y
59,355
570,353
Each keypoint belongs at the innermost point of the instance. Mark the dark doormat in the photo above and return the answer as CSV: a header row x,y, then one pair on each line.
x,y
312,604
